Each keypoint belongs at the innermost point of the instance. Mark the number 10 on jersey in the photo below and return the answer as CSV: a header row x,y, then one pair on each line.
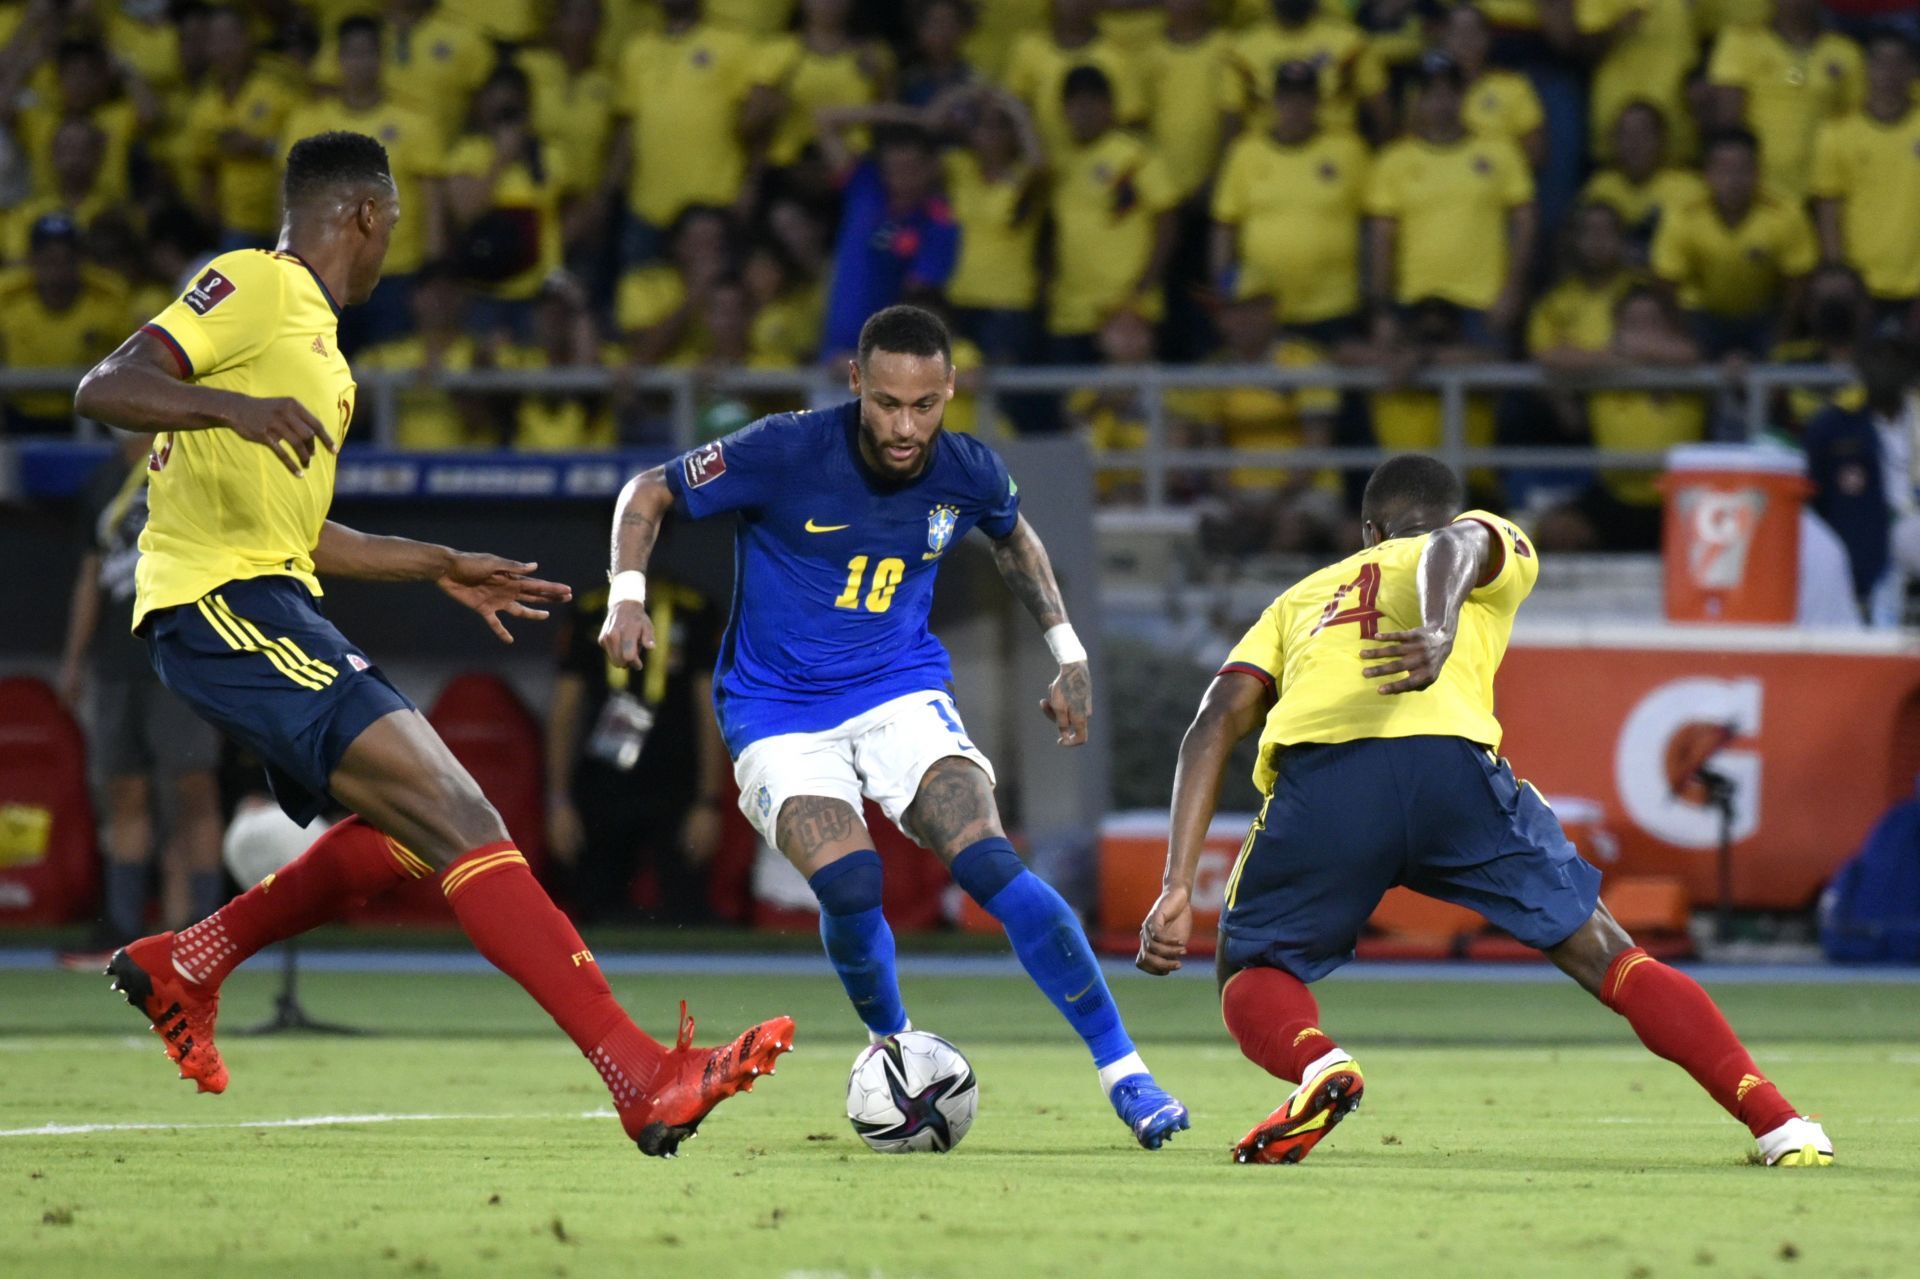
x,y
886,578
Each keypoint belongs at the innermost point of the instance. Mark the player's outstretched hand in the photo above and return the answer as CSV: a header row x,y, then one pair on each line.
x,y
627,634
1163,937
1416,655
490,586
282,424
1069,703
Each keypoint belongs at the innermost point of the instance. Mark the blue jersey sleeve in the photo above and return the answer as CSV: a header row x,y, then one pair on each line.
x,y
994,489
735,473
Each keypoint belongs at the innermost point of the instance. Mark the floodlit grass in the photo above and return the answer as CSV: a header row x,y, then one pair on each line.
x,y
1508,1130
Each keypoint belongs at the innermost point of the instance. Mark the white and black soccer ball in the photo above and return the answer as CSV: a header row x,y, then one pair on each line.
x,y
912,1092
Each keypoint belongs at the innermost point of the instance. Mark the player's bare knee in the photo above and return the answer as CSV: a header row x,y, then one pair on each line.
x,y
1591,950
953,808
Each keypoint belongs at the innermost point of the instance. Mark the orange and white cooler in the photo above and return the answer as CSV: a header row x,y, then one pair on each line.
x,y
1732,533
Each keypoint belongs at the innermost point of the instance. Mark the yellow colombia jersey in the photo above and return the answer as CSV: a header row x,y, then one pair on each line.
x,y
1307,646
223,508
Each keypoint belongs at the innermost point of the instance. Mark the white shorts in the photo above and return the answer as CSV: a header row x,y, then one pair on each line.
x,y
881,754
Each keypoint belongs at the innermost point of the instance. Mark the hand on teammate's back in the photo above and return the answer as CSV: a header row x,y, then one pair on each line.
x,y
627,634
282,424
1069,703
490,586
1418,654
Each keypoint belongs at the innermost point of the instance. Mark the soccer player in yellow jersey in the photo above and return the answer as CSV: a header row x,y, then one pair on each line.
x,y
1372,684
243,383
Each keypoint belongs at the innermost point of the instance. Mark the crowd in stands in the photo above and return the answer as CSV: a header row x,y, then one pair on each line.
x,y
1399,184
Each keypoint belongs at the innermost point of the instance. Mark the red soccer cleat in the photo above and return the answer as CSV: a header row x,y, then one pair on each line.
x,y
692,1081
1285,1136
182,1013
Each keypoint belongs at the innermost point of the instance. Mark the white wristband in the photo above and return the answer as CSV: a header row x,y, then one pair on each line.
x,y
1064,644
628,587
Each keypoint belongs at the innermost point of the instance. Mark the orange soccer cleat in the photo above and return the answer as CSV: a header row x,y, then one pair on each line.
x,y
182,1013
692,1081
1307,1115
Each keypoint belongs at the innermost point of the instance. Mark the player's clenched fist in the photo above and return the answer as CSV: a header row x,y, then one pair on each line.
x,y
627,634
284,425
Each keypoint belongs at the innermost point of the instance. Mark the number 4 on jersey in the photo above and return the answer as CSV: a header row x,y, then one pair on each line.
x,y
1363,613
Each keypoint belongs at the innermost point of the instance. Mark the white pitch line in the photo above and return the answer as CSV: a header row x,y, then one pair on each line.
x,y
310,1121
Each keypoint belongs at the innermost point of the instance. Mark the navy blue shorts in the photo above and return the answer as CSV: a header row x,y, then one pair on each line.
x,y
1439,815
257,660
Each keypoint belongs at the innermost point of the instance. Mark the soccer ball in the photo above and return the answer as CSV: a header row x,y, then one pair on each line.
x,y
912,1092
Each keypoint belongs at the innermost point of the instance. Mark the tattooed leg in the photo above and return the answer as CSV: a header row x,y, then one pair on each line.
x,y
954,815
814,831
953,809
827,841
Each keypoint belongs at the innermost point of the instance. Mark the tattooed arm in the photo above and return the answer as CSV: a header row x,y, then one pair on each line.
x,y
644,502
1024,566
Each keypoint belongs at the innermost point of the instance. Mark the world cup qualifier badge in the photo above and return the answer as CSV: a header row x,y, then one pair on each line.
x,y
941,521
704,465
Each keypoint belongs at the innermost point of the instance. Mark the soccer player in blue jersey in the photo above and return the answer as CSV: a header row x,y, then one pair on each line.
x,y
830,688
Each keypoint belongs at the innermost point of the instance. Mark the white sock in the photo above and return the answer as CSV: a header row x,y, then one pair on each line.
x,y
905,1026
1332,1057
1114,1071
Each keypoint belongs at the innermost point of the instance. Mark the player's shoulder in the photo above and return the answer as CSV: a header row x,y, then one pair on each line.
x,y
241,280
797,434
1505,532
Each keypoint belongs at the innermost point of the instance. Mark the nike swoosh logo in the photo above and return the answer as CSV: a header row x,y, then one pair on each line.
x,y
825,528
1074,998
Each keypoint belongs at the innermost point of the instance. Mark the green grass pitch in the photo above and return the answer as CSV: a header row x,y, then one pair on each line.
x,y
1507,1130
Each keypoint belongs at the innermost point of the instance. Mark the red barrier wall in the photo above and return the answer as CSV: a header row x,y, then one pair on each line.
x,y
1819,733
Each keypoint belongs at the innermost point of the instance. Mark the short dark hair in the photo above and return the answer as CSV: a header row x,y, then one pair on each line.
x,y
1411,484
359,24
1086,79
325,162
905,330
1732,136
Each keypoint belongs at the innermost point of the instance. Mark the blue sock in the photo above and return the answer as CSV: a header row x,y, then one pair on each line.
x,y
858,940
1047,937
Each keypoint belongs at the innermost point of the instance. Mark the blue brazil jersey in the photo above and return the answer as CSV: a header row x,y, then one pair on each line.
x,y
834,566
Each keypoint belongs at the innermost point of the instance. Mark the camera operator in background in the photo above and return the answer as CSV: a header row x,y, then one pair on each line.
x,y
635,763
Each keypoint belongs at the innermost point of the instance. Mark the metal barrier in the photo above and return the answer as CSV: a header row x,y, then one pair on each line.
x,y
1747,392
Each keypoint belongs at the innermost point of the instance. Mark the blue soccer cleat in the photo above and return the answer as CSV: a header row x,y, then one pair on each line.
x,y
1151,1111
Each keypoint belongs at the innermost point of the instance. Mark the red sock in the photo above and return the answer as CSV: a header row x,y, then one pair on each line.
x,y
513,922
348,864
1678,1020
1272,1014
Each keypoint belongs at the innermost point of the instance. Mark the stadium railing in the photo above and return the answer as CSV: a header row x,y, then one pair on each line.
x,y
1743,397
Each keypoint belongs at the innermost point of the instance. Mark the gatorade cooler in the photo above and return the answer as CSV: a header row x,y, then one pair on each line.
x,y
1732,535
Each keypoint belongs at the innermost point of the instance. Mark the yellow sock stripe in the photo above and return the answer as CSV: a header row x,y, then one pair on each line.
x,y
1626,970
459,876
219,627
235,633
285,660
474,870
407,861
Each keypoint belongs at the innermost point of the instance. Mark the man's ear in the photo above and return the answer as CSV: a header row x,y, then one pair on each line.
x,y
365,215
853,376
951,372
